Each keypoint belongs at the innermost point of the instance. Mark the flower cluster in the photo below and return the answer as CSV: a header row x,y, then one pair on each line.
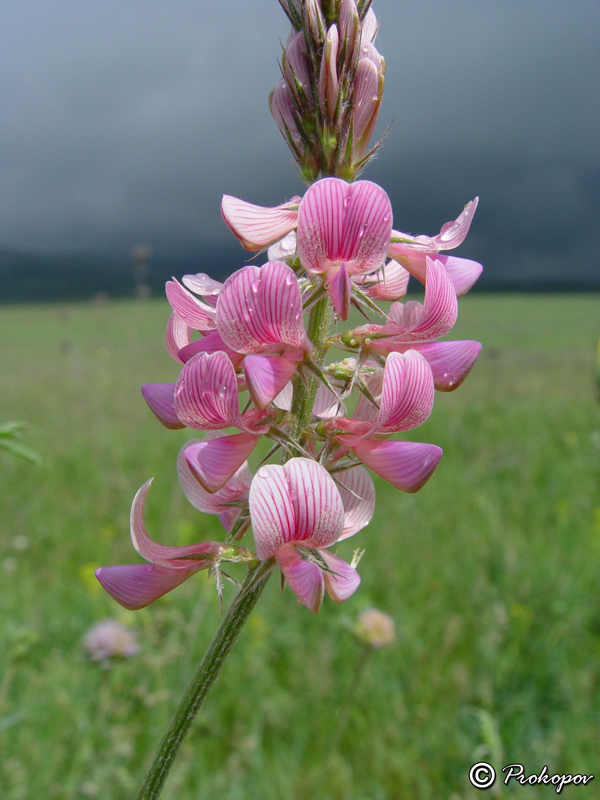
x,y
246,358
327,102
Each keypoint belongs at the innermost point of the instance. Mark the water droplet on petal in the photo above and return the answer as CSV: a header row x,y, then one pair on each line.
x,y
290,279
222,392
256,286
263,472
386,217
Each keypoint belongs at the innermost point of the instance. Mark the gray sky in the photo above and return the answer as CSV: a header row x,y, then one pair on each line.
x,y
124,122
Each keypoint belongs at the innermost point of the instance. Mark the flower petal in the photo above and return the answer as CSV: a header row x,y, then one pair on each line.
x,y
450,362
463,272
454,233
340,292
304,577
193,312
406,465
407,393
161,400
388,283
318,507
259,226
266,377
342,581
284,398
346,223
194,556
284,249
260,310
137,585
214,461
206,395
202,284
177,335
271,510
358,496
210,343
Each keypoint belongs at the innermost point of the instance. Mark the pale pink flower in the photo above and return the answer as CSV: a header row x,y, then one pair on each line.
x,y
375,628
296,509
110,639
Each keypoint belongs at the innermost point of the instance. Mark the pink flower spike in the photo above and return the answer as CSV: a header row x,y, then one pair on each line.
x,y
340,292
304,577
206,394
260,310
193,312
136,586
450,362
257,226
358,496
160,399
388,283
463,272
339,222
177,335
214,461
406,465
266,377
297,502
342,581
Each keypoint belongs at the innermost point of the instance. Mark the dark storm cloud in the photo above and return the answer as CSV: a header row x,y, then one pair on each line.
x,y
125,122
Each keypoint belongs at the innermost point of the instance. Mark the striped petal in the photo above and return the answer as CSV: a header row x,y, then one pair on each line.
x,y
266,377
346,223
406,465
135,586
177,335
161,400
342,581
257,226
271,511
340,292
450,362
358,496
284,249
388,283
214,461
260,310
463,272
211,343
206,395
202,284
304,578
193,312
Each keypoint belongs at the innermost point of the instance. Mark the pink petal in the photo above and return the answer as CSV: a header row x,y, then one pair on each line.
x,y
450,362
257,226
318,507
327,404
281,105
340,292
463,272
370,26
346,223
328,84
454,233
193,312
358,496
177,335
160,399
260,310
284,398
202,284
211,343
284,249
388,283
342,581
266,377
407,393
271,510
304,577
296,69
406,465
367,99
137,585
206,395
215,461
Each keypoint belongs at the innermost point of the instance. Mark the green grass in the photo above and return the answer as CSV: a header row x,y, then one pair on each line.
x,y
490,572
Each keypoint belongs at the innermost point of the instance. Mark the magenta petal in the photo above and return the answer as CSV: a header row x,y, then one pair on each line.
x,y
196,555
215,461
304,577
463,272
388,283
407,393
342,581
358,496
257,226
318,507
260,310
177,335
450,362
206,395
340,292
160,399
193,312
211,343
406,465
266,377
346,223
271,510
137,585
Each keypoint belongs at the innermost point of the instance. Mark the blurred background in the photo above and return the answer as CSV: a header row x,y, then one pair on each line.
x,y
123,123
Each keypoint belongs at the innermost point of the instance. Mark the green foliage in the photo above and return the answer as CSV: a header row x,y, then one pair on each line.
x,y
490,572
9,433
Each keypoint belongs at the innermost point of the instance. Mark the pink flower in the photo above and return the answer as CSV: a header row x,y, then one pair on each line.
x,y
296,509
137,585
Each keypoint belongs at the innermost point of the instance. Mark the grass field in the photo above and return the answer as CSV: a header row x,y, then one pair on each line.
x,y
491,573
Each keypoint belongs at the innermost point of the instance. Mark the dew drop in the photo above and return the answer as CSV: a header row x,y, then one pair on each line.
x,y
263,472
290,280
386,217
222,392
256,286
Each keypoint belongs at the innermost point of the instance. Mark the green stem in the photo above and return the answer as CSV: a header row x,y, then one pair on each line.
x,y
245,600
208,671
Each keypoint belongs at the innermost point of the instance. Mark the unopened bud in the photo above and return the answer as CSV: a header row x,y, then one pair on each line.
x,y
328,79
282,109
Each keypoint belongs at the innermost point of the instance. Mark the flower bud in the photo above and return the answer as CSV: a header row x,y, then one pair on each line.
x,y
328,79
